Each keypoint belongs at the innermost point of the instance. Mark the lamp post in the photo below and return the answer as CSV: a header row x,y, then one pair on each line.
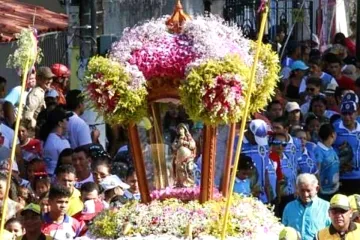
x,y
358,29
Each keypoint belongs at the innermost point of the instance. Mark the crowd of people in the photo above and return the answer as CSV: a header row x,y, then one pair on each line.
x,y
62,177
301,155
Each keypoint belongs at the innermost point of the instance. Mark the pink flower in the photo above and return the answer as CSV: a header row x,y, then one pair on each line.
x,y
166,57
224,96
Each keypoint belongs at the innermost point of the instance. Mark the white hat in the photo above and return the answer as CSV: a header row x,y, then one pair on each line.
x,y
331,88
292,106
260,130
111,182
91,209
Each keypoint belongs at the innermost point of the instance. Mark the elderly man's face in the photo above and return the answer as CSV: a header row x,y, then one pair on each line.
x,y
307,191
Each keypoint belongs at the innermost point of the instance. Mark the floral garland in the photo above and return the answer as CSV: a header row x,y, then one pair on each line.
x,y
214,92
267,77
115,91
166,57
249,219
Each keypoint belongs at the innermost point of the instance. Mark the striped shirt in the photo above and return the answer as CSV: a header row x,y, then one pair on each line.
x,y
70,228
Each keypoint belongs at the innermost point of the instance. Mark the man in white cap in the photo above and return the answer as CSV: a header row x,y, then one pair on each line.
x,y
113,189
255,145
293,113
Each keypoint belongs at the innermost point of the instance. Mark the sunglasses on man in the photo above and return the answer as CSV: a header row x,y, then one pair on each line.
x,y
278,143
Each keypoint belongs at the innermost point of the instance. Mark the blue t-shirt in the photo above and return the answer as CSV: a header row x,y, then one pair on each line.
x,y
307,162
329,168
347,147
271,174
289,171
242,186
260,157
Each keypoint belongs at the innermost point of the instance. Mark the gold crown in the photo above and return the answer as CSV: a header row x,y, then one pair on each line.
x,y
176,22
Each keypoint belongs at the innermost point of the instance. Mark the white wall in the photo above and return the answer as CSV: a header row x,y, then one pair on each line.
x,y
10,74
121,14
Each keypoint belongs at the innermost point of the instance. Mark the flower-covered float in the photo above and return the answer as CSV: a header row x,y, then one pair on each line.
x,y
163,79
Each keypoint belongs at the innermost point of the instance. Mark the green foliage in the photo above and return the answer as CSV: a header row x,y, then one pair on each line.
x,y
27,51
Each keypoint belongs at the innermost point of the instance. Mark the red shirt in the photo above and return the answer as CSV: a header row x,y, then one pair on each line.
x,y
32,149
346,83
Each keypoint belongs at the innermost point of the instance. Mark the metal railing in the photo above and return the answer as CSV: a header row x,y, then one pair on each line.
x,y
54,48
283,14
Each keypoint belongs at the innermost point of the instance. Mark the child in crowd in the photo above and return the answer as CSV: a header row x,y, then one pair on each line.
x,y
35,166
41,184
131,179
14,226
56,223
24,195
114,189
328,162
30,147
243,174
44,202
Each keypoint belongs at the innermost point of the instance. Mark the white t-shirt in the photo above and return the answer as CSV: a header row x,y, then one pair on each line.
x,y
78,132
80,183
52,148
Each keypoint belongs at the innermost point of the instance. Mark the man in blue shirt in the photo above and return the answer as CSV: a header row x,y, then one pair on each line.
x,y
309,213
255,145
347,145
291,157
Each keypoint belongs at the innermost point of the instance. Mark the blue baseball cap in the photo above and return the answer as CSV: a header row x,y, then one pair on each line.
x,y
260,130
348,107
350,97
51,93
299,65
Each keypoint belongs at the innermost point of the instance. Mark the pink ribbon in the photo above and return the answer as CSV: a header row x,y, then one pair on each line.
x,y
262,6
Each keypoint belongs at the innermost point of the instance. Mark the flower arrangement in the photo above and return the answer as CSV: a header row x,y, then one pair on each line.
x,y
114,92
249,219
267,77
182,194
166,57
214,92
211,91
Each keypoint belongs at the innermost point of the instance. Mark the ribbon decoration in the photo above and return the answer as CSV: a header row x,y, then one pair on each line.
x,y
244,117
262,6
24,56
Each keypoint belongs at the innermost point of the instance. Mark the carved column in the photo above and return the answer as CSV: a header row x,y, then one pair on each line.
x,y
208,163
138,159
228,160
